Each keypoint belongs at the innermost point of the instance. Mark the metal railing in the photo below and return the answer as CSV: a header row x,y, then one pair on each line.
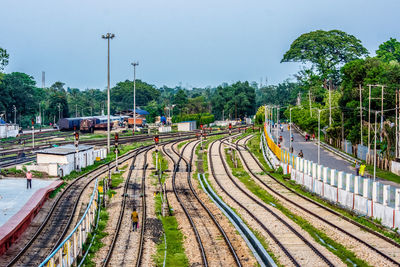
x,y
68,251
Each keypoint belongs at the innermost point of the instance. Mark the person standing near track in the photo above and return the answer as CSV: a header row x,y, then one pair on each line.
x,y
135,219
29,180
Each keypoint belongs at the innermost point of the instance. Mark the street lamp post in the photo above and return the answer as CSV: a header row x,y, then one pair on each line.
x,y
59,112
290,129
319,139
376,115
15,114
134,64
108,36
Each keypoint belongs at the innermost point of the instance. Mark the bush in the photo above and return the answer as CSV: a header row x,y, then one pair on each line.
x,y
200,118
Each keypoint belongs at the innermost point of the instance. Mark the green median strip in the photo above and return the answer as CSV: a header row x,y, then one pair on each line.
x,y
348,257
172,247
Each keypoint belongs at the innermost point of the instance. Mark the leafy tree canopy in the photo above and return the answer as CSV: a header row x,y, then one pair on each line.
x,y
3,58
326,51
389,50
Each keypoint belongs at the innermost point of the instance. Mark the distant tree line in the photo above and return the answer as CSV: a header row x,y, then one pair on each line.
x,y
204,105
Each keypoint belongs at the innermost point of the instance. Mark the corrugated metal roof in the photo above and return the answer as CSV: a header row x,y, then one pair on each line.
x,y
64,150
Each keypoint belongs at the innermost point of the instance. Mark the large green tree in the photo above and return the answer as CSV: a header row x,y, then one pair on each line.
x,y
326,51
389,50
122,95
3,58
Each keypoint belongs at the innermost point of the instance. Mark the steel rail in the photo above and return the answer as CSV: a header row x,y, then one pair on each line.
x,y
392,242
300,236
221,230
196,233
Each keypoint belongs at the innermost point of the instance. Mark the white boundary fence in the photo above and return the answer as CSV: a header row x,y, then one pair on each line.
x,y
68,251
355,193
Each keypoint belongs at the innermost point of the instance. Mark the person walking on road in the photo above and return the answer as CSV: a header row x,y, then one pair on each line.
x,y
357,168
301,154
362,169
135,219
29,180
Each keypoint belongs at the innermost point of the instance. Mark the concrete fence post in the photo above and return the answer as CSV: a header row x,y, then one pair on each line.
x,y
374,191
397,199
365,187
386,191
299,165
319,172
333,176
325,174
356,185
314,170
340,180
305,166
348,181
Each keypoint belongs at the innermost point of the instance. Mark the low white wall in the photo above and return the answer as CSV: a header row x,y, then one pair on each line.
x,y
364,202
164,129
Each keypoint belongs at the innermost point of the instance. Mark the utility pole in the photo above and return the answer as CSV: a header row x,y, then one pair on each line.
x,y
369,120
319,139
15,114
309,99
361,115
134,64
43,79
108,36
59,112
376,114
381,113
76,110
265,113
396,124
330,102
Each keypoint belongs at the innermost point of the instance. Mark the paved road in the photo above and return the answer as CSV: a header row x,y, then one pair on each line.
x,y
327,158
310,151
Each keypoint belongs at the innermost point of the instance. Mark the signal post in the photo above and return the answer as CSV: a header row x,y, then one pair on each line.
x,y
33,133
76,141
116,152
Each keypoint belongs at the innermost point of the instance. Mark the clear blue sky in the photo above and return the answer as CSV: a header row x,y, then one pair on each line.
x,y
197,43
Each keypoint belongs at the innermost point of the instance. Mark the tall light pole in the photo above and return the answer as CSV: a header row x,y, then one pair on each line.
x,y
319,129
290,129
108,36
59,112
15,114
134,64
376,115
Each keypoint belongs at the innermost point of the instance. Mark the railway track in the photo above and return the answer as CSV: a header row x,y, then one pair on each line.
x,y
293,245
213,250
381,249
125,240
55,226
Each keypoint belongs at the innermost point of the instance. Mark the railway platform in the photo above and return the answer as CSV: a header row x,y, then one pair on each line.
x,y
19,205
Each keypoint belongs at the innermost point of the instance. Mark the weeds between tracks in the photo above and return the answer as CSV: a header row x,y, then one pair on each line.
x,y
174,238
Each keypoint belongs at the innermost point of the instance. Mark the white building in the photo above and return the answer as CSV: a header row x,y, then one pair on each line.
x,y
186,126
8,130
62,160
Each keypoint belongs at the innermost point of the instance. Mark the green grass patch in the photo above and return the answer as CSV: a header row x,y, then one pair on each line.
x,y
58,189
301,190
348,257
97,243
181,144
176,255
